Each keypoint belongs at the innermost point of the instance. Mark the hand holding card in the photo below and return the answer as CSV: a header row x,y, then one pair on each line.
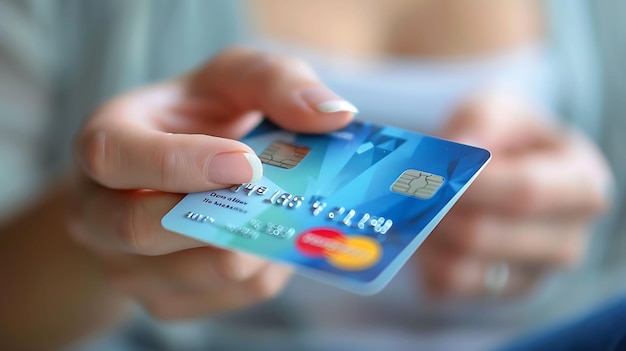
x,y
348,208
140,151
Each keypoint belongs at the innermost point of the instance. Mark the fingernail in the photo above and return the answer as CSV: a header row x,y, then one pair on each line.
x,y
235,168
325,101
336,106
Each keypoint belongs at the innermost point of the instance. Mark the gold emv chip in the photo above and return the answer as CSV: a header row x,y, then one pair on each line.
x,y
284,155
417,184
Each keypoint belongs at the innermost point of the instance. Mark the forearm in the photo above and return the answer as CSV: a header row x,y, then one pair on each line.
x,y
53,289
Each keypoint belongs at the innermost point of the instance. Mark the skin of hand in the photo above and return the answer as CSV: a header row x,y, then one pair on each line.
x,y
531,207
139,153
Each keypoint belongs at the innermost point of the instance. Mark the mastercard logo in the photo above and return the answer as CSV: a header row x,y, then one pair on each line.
x,y
346,252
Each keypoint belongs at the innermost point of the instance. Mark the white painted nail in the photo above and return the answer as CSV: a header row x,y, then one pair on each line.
x,y
336,106
256,165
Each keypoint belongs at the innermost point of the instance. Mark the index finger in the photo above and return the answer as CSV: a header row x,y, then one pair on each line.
x,y
284,88
123,151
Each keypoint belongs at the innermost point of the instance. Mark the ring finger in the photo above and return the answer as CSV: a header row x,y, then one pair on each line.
x,y
450,273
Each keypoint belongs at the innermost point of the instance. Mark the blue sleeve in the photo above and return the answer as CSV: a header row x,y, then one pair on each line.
x,y
602,330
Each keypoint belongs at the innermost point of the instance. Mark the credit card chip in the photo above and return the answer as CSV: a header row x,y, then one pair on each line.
x,y
284,155
418,184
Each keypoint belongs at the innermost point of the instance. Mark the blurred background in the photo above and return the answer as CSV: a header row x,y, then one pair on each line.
x,y
434,66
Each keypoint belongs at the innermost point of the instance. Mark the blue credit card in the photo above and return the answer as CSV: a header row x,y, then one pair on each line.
x,y
348,208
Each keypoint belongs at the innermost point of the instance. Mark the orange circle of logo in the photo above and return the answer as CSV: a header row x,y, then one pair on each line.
x,y
345,252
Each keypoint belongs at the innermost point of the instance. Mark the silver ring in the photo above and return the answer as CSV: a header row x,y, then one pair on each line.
x,y
496,277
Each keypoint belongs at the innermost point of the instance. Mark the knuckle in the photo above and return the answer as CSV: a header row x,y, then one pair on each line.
x,y
95,156
264,286
167,162
231,267
133,231
98,148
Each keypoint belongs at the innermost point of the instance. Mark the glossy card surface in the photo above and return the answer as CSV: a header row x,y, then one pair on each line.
x,y
348,208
